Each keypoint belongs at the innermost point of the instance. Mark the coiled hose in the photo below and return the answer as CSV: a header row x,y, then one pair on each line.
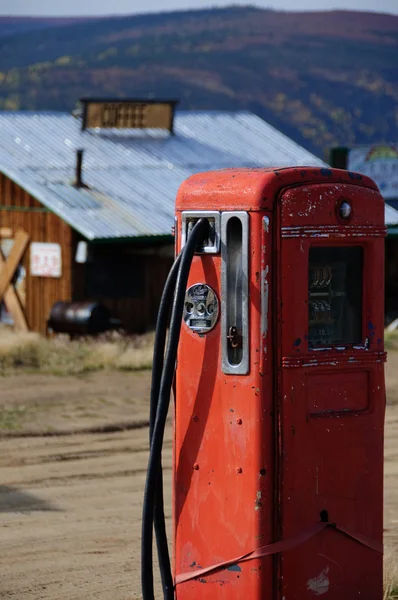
x,y
162,380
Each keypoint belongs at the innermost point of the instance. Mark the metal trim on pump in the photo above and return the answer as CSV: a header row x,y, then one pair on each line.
x,y
212,244
235,292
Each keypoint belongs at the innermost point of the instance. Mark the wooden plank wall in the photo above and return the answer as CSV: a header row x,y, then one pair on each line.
x,y
138,313
20,209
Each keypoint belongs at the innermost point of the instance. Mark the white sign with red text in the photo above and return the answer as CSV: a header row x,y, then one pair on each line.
x,y
45,260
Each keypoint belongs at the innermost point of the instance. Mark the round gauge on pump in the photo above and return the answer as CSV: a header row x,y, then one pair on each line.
x,y
201,308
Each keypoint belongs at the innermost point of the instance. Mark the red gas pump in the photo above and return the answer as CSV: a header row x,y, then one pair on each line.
x,y
276,303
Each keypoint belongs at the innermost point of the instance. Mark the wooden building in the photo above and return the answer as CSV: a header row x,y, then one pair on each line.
x,y
21,212
87,200
127,277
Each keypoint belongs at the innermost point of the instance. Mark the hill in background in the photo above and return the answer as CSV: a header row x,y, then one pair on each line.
x,y
323,78
17,25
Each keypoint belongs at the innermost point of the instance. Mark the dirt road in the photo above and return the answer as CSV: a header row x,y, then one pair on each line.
x,y
70,516
70,505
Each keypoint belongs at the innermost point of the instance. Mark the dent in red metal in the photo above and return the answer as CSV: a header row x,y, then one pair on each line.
x,y
266,456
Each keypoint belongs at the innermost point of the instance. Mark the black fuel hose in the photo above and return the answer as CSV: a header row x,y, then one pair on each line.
x,y
157,367
197,234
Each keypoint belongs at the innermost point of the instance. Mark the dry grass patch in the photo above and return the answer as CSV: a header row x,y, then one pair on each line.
x,y
390,577
391,340
11,418
62,356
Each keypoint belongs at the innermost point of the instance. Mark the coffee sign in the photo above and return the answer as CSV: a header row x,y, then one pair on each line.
x,y
128,114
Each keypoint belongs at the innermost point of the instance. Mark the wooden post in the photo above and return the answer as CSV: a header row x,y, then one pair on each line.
x,y
7,269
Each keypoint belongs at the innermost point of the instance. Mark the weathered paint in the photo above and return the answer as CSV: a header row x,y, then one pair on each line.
x,y
305,438
319,585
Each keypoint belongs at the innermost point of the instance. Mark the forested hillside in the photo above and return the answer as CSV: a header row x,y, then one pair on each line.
x,y
323,78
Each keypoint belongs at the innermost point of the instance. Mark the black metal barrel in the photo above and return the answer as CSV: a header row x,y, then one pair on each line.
x,y
80,318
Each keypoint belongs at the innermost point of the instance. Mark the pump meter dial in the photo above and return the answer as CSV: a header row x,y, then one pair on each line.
x,y
200,308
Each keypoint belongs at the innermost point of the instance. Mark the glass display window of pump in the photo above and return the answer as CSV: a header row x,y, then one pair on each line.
x,y
335,296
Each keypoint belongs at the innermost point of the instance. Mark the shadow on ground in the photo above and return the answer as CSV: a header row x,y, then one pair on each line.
x,y
16,500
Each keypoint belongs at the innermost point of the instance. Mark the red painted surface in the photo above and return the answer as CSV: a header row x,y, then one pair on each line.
x,y
259,457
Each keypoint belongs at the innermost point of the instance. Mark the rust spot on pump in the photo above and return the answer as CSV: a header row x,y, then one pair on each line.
x,y
258,504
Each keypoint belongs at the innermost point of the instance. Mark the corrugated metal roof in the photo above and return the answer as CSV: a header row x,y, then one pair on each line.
x,y
133,176
391,215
